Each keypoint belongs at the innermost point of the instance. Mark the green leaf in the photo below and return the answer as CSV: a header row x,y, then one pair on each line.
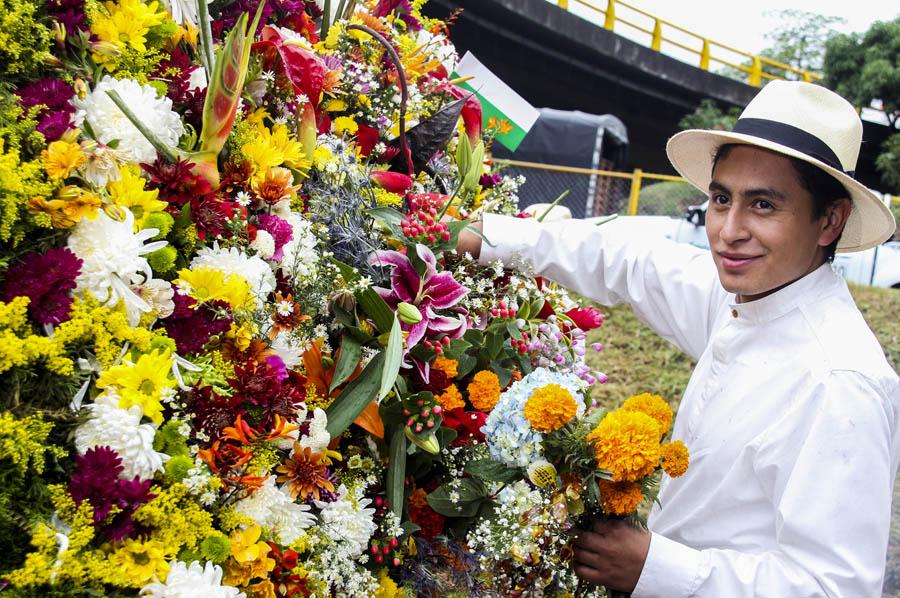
x,y
493,471
351,349
388,218
494,345
476,167
347,271
396,472
504,375
524,310
466,363
513,330
470,491
355,397
393,357
376,308
474,336
409,528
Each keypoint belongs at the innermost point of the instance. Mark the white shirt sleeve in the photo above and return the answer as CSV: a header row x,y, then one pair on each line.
x,y
827,466
672,287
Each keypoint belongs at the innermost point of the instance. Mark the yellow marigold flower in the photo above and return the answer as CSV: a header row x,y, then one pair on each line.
x,y
484,390
335,105
344,124
128,192
261,589
550,407
675,458
61,158
138,562
620,498
208,284
448,366
626,443
450,399
142,383
654,406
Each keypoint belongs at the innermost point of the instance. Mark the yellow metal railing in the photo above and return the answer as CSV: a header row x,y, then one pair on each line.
x,y
637,177
707,50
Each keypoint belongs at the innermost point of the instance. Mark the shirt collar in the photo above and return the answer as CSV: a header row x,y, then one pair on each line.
x,y
782,301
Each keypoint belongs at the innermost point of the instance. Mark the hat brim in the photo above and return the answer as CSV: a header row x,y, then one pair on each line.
x,y
870,223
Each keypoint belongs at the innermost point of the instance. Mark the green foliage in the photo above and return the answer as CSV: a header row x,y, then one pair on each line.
x,y
866,67
708,115
801,39
670,198
888,163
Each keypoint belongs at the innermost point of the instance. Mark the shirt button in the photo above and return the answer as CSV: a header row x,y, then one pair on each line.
x,y
734,313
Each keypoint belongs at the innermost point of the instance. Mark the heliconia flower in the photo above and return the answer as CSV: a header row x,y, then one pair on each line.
x,y
586,318
471,112
432,291
395,182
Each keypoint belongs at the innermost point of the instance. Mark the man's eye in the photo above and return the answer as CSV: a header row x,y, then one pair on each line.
x,y
764,205
719,199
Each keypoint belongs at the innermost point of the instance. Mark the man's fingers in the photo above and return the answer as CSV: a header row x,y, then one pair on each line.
x,y
590,541
588,574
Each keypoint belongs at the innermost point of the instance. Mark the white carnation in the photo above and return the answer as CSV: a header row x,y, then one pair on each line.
x,y
263,244
276,511
122,431
108,122
192,581
233,261
112,261
348,519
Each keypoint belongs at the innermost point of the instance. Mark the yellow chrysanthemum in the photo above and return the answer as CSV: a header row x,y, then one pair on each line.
x,y
450,399
126,23
321,156
128,192
275,147
137,562
620,498
484,390
626,443
208,284
142,383
448,366
61,158
344,125
335,105
675,458
550,407
654,406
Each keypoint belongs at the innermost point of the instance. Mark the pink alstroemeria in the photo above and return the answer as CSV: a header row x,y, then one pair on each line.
x,y
432,291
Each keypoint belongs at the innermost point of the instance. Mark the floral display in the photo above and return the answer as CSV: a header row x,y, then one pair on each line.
x,y
239,354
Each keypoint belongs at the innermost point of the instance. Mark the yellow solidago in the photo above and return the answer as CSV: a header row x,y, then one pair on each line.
x,y
344,125
128,192
275,147
142,383
484,390
652,405
19,348
139,561
550,407
23,442
208,284
626,443
125,24
176,519
61,158
620,498
387,587
675,458
384,197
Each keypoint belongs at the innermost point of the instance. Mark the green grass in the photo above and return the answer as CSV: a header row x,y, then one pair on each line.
x,y
637,360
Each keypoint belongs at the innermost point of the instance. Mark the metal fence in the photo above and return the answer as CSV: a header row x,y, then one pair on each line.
x,y
602,192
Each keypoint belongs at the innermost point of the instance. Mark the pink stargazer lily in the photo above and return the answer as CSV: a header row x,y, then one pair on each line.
x,y
432,291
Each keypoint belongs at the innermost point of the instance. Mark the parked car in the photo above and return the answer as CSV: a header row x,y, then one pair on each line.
x,y
878,266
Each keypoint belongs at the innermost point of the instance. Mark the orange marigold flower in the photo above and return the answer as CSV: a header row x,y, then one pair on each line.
x,y
675,458
654,406
620,498
306,473
550,408
626,444
484,390
451,398
418,498
448,366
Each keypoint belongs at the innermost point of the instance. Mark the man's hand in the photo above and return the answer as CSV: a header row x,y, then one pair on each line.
x,y
468,241
611,554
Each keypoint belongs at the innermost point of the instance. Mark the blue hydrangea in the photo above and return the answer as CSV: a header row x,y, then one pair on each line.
x,y
510,438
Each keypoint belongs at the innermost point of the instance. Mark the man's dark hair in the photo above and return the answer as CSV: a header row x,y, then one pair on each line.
x,y
826,190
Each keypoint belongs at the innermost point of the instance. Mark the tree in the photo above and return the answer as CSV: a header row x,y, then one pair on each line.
x,y
708,115
866,67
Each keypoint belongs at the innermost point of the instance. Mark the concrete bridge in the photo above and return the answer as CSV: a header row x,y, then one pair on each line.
x,y
558,60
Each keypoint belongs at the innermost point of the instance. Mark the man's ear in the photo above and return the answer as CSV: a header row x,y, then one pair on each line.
x,y
834,221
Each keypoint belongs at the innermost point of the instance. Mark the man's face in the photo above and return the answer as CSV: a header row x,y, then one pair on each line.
x,y
760,223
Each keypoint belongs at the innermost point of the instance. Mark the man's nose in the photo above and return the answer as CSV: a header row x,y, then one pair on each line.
x,y
734,227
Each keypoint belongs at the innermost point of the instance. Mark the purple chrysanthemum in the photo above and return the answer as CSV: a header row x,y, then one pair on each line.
x,y
191,326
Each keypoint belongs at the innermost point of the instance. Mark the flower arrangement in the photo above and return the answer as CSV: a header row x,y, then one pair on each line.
x,y
239,355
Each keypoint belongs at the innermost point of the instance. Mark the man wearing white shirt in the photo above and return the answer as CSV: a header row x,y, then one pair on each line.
x,y
791,415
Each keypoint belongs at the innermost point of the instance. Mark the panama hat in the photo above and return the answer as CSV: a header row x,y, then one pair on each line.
x,y
803,121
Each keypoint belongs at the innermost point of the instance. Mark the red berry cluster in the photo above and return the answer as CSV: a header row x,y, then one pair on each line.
x,y
385,549
437,346
422,223
503,311
424,417
520,345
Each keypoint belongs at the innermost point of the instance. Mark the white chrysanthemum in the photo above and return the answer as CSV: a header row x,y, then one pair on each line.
x,y
276,511
108,122
300,255
317,438
192,581
122,431
348,519
288,349
111,254
263,244
234,261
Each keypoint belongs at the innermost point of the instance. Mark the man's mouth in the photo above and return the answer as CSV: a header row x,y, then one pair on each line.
x,y
736,261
